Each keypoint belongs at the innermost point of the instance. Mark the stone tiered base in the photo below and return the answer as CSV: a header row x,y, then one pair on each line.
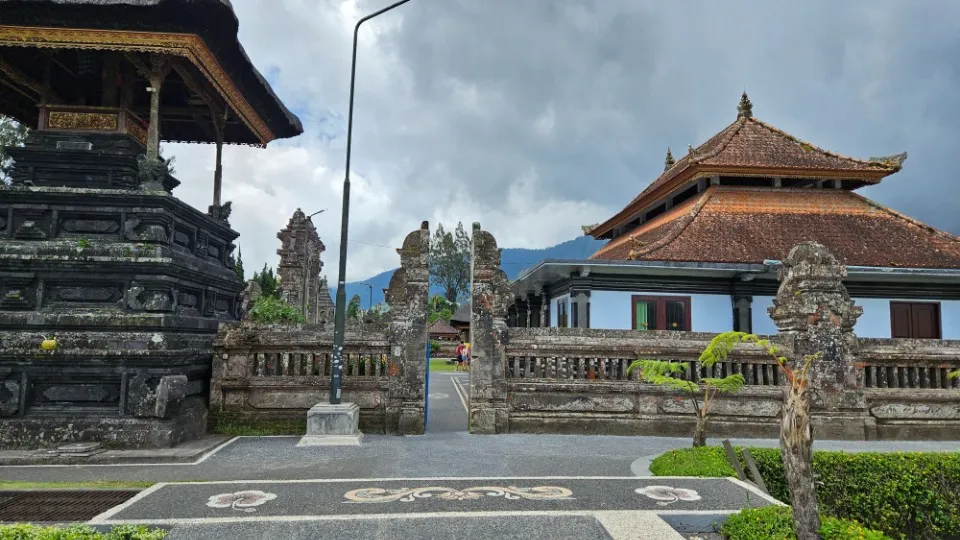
x,y
127,287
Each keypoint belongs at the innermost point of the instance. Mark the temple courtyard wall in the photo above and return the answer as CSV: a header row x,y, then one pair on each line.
x,y
575,380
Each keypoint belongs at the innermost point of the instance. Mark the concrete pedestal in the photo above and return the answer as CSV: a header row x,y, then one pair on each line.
x,y
333,425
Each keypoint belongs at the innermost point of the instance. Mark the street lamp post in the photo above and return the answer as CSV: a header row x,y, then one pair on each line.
x,y
339,318
370,297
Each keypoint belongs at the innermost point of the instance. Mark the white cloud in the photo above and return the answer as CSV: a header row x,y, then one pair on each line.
x,y
536,117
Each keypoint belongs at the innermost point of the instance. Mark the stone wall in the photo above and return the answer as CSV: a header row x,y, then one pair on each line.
x,y
280,371
128,283
572,380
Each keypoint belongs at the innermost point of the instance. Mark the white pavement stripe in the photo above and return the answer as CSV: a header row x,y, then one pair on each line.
x,y
100,518
754,489
461,392
636,525
171,464
433,479
424,515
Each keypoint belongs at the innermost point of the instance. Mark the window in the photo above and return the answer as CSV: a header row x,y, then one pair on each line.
x,y
661,313
562,313
915,320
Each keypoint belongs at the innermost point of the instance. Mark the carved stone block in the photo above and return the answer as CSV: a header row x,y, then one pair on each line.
x,y
17,291
90,224
147,228
9,397
142,298
160,397
171,391
31,224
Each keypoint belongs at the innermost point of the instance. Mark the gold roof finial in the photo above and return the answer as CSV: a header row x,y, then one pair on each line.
x,y
745,108
668,162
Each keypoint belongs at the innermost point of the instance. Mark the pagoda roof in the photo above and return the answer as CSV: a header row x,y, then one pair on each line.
x,y
728,224
751,147
160,26
441,327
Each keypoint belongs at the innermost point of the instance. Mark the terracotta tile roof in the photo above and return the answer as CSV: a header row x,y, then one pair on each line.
x,y
749,143
750,225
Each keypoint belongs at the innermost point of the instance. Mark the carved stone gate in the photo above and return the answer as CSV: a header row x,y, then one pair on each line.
x,y
263,372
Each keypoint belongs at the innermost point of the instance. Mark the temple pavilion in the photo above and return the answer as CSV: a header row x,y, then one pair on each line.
x,y
111,288
698,248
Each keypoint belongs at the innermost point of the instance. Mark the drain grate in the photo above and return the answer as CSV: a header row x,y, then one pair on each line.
x,y
60,506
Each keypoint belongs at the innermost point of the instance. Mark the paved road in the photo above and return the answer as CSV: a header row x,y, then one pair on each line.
x,y
447,402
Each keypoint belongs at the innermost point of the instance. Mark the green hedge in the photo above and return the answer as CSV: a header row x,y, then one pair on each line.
x,y
914,495
777,522
82,532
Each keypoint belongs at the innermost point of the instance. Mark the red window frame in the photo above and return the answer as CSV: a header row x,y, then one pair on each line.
x,y
661,309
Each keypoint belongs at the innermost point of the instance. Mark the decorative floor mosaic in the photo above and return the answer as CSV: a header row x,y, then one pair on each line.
x,y
178,502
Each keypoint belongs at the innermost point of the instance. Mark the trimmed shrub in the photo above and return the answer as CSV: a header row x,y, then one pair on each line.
x,y
698,461
24,531
777,522
913,495
268,309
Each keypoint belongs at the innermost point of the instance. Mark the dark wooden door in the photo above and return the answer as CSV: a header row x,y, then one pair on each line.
x,y
915,320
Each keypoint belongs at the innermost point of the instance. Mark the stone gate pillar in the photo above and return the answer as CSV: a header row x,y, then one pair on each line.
x,y
490,296
300,265
408,298
815,314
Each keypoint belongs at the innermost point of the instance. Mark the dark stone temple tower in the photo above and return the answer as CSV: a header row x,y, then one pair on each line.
x,y
112,289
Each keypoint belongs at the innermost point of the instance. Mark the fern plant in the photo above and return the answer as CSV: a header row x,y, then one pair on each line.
x,y
796,433
668,374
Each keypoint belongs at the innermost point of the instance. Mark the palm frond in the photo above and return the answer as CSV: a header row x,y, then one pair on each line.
x,y
730,383
657,367
678,384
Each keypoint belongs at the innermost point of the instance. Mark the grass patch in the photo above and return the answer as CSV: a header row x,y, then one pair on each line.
x,y
440,364
23,531
109,484
704,461
902,494
242,427
777,522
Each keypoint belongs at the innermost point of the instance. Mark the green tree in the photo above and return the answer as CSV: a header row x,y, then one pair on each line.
x,y
238,267
354,311
450,262
440,308
270,309
668,374
268,281
12,133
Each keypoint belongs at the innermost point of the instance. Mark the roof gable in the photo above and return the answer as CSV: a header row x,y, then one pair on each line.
x,y
751,145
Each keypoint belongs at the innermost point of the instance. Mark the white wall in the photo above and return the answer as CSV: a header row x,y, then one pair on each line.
x,y
553,309
613,310
875,321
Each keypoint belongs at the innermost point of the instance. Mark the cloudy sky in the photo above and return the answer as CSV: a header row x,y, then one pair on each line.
x,y
535,117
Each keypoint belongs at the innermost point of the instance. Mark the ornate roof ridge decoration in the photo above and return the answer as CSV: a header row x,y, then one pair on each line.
x,y
903,217
668,161
745,107
892,163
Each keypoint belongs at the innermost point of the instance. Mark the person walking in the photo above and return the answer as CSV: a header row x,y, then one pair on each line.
x,y
460,355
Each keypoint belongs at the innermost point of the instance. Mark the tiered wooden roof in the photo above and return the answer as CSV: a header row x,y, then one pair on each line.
x,y
739,224
200,34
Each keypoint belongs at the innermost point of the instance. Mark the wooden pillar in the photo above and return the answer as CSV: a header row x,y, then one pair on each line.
x,y
219,123
544,309
157,70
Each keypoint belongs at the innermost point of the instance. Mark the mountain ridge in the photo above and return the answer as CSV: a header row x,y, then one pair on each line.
x,y
512,260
